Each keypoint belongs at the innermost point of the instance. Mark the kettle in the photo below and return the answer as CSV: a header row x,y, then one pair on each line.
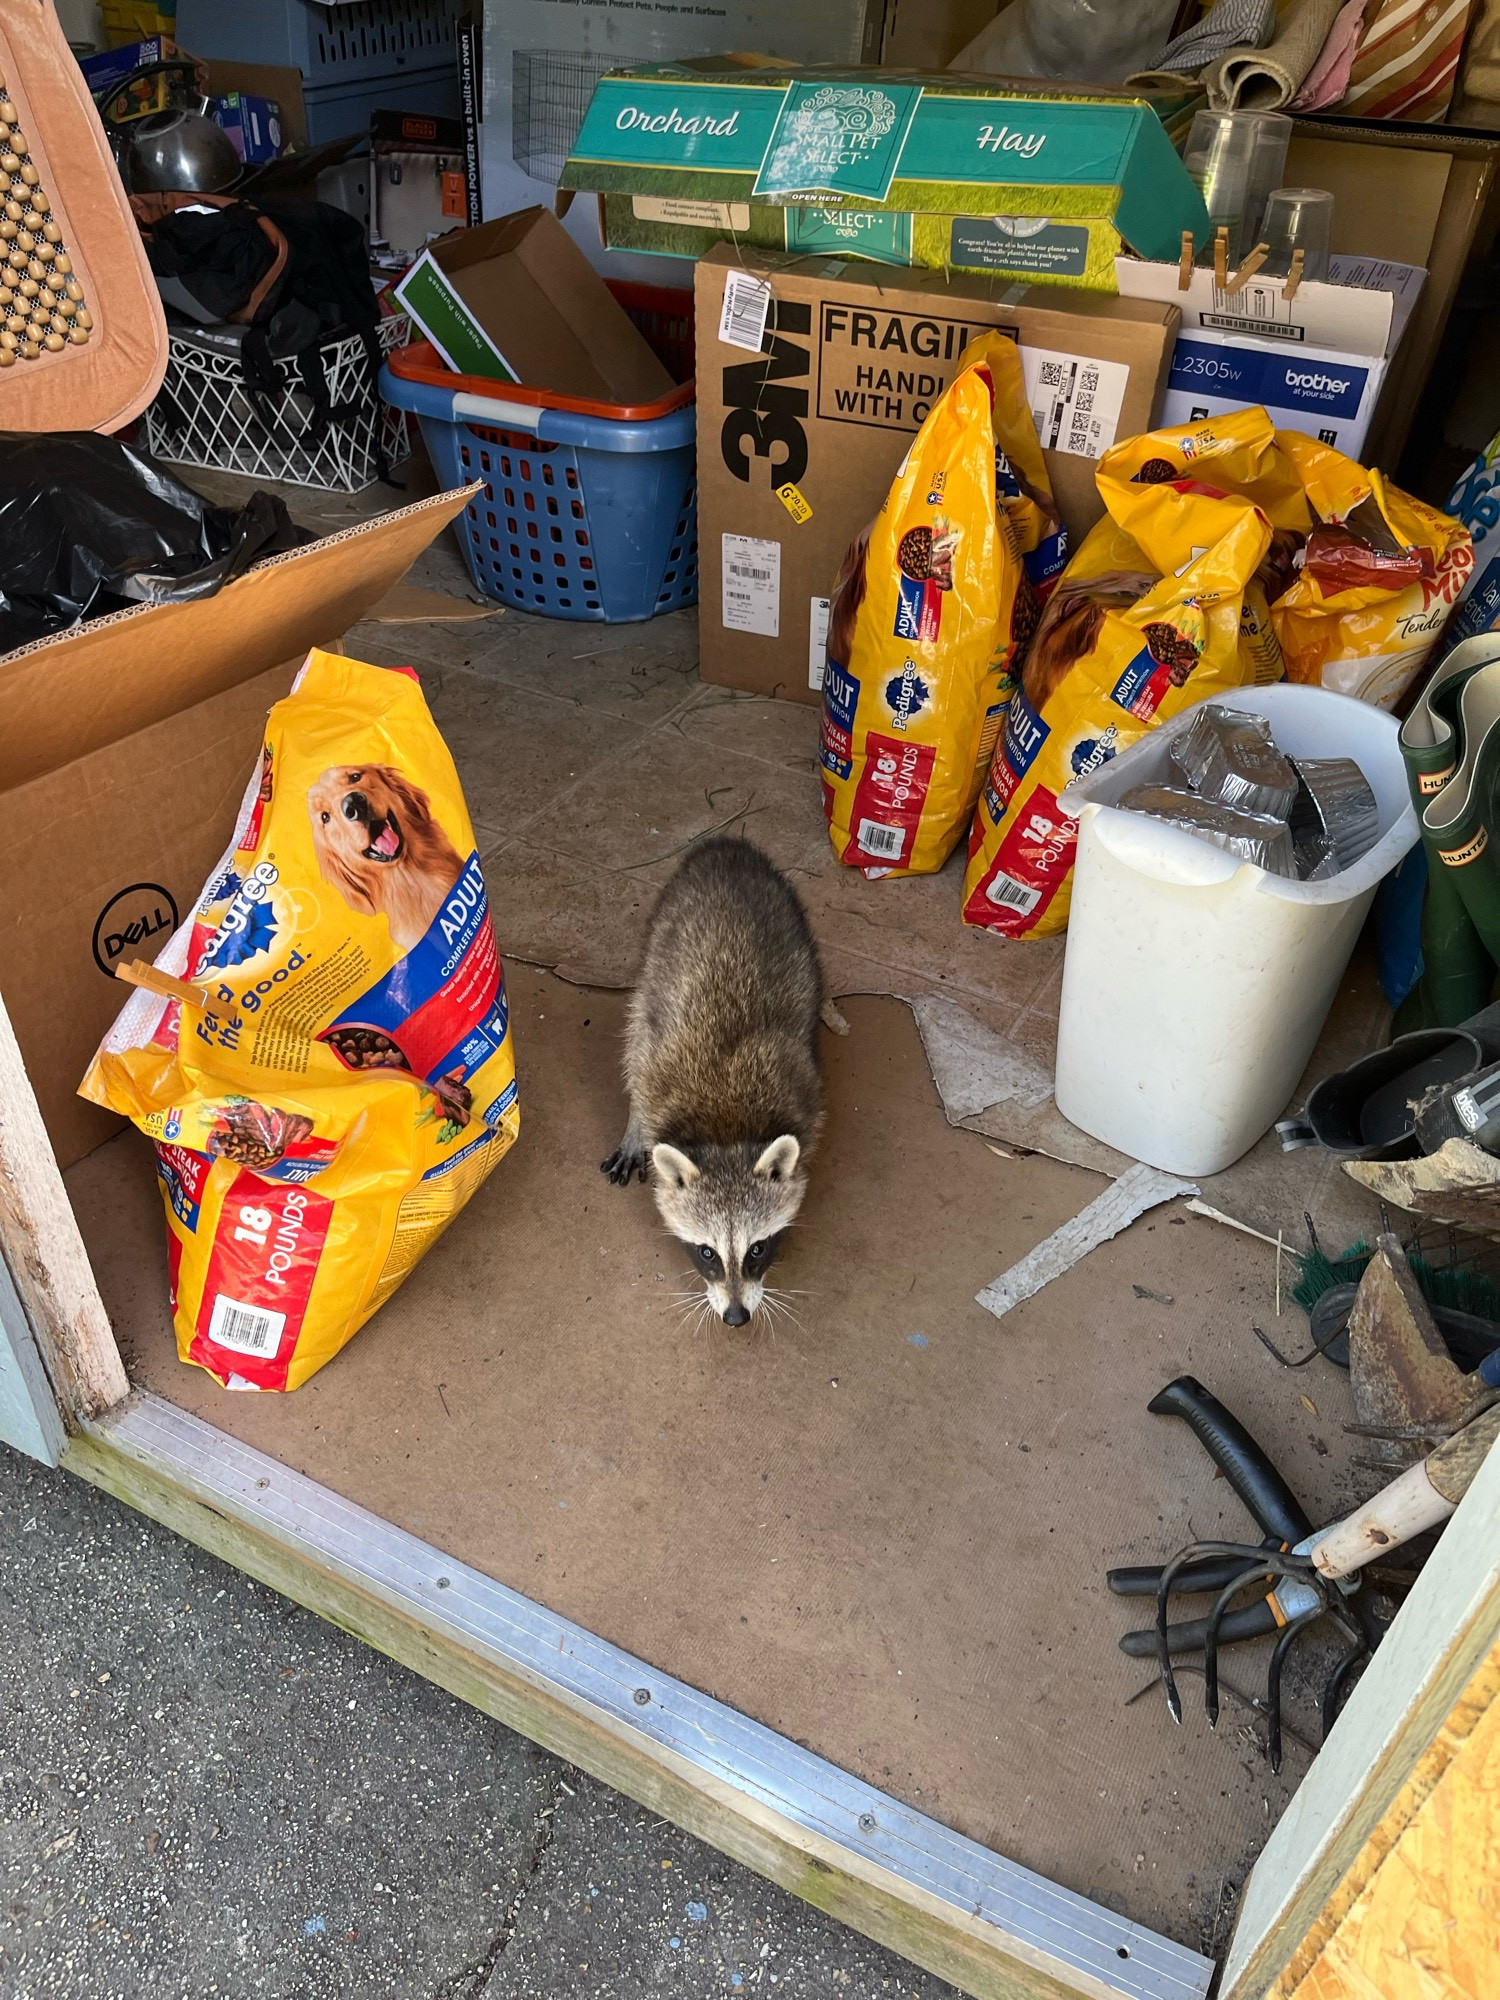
x,y
179,150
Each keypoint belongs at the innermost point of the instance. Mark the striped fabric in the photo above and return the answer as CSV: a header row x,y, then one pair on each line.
x,y
1406,64
1231,24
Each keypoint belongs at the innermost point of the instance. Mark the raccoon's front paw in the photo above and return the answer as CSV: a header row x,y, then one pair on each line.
x,y
623,1163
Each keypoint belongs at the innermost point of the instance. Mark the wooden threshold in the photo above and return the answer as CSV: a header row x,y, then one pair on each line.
x,y
993,1928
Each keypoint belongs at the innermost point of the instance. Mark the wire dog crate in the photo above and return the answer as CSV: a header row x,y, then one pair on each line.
x,y
203,414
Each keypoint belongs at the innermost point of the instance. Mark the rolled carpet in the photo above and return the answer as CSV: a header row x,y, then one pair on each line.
x,y
1265,79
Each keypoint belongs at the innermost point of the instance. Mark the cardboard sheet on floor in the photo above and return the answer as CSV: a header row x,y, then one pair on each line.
x,y
592,757
880,1529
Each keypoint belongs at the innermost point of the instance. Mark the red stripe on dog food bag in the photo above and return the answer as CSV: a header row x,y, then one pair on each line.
x,y
267,1248
1030,865
888,802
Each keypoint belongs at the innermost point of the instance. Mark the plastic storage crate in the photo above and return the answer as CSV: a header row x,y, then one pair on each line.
x,y
203,416
588,511
362,56
127,21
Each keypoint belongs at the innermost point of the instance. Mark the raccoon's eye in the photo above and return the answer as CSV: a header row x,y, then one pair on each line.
x,y
757,1251
705,1253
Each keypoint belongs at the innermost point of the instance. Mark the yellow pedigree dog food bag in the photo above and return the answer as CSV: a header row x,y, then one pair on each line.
x,y
1379,577
1240,452
348,1079
927,615
1146,621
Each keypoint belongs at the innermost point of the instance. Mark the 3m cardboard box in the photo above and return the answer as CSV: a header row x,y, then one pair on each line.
x,y
517,300
126,748
852,359
956,172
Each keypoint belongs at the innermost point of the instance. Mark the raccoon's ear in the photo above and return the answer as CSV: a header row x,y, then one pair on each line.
x,y
673,1166
779,1161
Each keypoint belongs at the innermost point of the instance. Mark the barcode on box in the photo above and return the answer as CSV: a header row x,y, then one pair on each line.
x,y
751,585
1010,894
245,1329
747,304
886,841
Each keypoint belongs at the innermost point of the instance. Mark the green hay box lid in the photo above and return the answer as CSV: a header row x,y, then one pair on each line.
x,y
900,141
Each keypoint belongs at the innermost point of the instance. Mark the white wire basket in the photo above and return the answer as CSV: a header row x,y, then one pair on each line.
x,y
202,414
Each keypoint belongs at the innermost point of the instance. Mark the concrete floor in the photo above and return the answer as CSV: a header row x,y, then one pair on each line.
x,y
207,1792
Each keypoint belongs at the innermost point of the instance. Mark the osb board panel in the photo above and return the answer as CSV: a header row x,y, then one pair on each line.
x,y
881,1530
1428,1922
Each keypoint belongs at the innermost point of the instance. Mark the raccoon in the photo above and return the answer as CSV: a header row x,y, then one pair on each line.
x,y
721,1067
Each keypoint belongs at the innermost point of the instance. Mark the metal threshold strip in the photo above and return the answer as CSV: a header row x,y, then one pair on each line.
x,y
1061,1936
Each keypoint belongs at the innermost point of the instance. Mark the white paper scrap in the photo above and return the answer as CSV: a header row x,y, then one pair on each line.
x,y
971,1065
1140,1187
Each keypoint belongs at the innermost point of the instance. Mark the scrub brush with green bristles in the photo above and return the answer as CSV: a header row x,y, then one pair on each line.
x,y
1449,1285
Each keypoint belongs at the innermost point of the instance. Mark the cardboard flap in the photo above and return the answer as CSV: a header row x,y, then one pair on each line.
x,y
547,310
1386,198
1354,318
105,381
65,697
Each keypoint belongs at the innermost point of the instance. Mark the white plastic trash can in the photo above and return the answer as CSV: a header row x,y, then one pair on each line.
x,y
1195,984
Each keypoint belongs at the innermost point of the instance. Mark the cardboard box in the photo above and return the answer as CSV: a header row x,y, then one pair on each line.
x,y
517,300
111,66
416,184
252,123
273,81
1326,393
928,34
1416,195
127,744
852,360
963,172
1317,361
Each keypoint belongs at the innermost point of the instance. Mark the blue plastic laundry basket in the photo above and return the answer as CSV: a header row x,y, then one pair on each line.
x,y
581,516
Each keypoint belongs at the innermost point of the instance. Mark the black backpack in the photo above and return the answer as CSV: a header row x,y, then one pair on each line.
x,y
293,274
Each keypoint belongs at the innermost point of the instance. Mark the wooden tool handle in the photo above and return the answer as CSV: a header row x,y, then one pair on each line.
x,y
136,972
1452,1466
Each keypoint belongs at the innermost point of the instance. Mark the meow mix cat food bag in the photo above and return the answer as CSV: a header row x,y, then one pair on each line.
x,y
929,612
1145,621
327,1070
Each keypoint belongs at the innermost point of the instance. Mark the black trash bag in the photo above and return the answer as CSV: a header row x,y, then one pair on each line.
x,y
89,525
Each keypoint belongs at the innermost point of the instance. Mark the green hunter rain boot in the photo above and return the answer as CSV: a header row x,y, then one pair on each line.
x,y
1461,913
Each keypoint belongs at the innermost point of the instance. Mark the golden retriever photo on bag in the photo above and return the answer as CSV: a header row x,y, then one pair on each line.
x,y
379,846
1069,629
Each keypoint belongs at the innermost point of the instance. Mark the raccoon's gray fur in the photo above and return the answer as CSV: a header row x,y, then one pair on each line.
x,y
721,1064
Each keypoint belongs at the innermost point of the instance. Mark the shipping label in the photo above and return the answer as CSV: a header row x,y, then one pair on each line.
x,y
752,585
1075,400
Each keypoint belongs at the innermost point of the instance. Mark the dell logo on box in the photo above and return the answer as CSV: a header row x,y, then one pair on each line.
x,y
132,917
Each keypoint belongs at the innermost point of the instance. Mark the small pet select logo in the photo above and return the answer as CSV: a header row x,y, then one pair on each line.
x,y
132,917
838,125
907,694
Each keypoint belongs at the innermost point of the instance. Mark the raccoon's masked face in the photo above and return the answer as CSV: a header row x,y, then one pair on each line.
x,y
728,1208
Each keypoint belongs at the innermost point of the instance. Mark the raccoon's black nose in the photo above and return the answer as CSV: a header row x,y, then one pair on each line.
x,y
736,1315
